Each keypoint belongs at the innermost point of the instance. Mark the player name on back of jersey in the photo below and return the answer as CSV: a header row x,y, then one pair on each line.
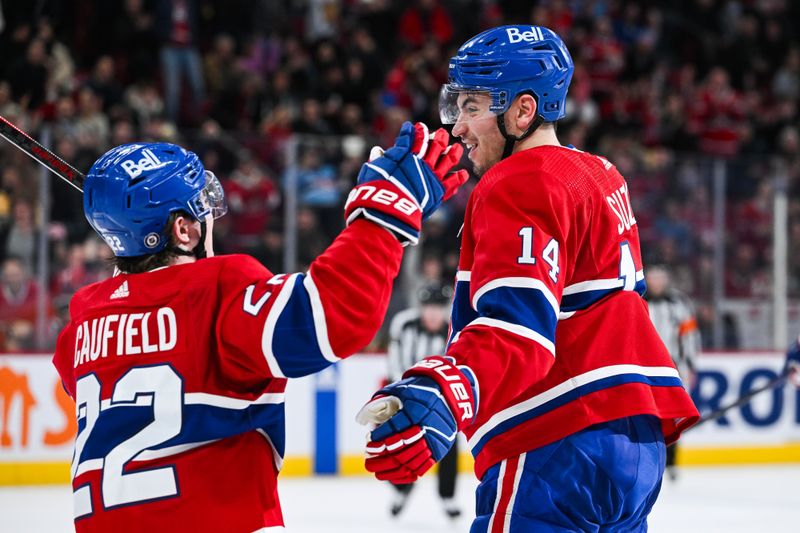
x,y
125,334
620,204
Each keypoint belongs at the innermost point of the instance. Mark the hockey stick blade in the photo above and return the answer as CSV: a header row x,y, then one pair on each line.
x,y
41,155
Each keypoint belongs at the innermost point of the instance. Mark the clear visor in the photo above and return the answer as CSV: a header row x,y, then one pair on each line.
x,y
459,103
211,198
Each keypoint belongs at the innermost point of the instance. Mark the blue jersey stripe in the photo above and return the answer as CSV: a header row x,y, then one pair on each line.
x,y
200,423
585,299
294,342
522,306
572,395
462,313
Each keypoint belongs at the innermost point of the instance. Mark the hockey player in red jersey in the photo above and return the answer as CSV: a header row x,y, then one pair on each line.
x,y
178,364
553,369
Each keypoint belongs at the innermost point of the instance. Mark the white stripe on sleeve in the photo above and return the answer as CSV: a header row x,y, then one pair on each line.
x,y
567,386
320,326
516,329
517,476
498,493
272,320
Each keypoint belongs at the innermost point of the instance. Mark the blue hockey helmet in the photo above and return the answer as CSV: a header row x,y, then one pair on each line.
x,y
508,61
130,192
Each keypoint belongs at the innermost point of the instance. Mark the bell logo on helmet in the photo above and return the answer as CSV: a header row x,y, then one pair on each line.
x,y
515,36
135,168
151,240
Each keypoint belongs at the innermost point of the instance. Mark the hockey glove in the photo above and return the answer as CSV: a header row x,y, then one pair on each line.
x,y
404,185
436,400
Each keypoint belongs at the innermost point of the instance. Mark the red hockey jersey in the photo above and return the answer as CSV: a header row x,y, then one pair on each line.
x,y
548,310
178,375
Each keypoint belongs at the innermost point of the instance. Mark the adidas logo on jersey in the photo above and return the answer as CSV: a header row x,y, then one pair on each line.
x,y
121,292
148,162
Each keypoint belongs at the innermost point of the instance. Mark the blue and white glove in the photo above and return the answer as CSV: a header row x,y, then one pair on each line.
x,y
404,185
425,411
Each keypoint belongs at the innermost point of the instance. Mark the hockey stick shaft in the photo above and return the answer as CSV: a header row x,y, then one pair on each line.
x,y
775,382
41,155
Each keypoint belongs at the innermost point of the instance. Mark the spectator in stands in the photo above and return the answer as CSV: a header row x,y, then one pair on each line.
x,y
18,294
322,19
717,114
136,42
270,249
311,120
786,83
60,66
319,187
8,107
252,197
92,127
28,75
423,20
741,272
220,64
605,58
18,337
103,83
75,273
22,237
311,239
176,24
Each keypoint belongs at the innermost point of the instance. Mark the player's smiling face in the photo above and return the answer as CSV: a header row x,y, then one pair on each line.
x,y
477,128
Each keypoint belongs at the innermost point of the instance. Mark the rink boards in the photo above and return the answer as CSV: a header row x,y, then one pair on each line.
x,y
37,424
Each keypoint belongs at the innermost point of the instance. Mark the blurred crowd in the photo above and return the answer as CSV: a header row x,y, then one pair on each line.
x,y
269,93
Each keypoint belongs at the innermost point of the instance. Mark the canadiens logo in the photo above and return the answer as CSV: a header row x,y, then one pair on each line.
x,y
151,240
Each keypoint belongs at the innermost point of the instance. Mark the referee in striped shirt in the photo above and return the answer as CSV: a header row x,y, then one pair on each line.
x,y
416,333
673,316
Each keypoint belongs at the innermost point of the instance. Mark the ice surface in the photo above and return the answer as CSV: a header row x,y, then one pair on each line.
x,y
707,500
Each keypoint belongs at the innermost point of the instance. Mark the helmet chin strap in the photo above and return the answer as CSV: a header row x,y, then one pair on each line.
x,y
512,140
199,251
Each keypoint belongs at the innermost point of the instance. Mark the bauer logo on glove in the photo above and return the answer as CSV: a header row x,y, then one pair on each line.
x,y
383,196
416,416
412,172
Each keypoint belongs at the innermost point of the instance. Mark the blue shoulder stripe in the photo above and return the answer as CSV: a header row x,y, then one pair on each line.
x,y
298,338
462,313
523,306
578,301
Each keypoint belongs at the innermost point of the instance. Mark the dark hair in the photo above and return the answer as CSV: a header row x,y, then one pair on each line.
x,y
142,263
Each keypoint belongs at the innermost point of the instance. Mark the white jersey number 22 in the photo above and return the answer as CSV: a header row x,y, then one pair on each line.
x,y
157,386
